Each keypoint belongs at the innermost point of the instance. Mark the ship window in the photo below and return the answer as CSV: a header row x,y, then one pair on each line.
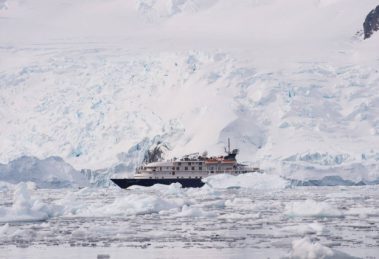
x,y
189,163
185,168
179,163
173,168
160,168
177,168
193,168
199,163
200,168
211,172
173,173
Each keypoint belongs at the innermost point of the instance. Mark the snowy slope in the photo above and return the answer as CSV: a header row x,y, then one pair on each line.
x,y
290,82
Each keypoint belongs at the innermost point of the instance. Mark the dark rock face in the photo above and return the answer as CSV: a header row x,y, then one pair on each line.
x,y
371,23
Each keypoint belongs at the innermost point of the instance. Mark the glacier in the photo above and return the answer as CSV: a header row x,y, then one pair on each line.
x,y
299,103
87,88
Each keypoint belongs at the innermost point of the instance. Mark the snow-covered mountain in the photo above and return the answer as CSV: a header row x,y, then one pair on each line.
x,y
97,83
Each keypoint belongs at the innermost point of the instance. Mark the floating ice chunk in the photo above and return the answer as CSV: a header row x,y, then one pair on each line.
x,y
25,208
251,180
205,191
4,230
4,186
172,189
78,234
239,202
31,185
142,204
219,204
133,204
188,211
313,228
363,212
311,208
284,125
317,228
305,249
237,216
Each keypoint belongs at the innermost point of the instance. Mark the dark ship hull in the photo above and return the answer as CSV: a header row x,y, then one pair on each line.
x,y
185,182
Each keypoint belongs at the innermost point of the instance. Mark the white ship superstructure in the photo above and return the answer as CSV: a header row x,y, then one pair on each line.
x,y
192,167
188,170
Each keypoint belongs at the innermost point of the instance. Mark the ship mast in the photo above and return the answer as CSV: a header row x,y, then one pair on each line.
x,y
230,154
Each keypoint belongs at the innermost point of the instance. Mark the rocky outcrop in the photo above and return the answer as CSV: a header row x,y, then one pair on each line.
x,y
371,23
155,153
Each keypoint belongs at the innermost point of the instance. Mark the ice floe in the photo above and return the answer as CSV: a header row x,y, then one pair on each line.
x,y
303,229
251,180
311,208
27,208
190,211
306,249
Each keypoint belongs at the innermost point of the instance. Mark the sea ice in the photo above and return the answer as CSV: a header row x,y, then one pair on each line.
x,y
255,181
188,211
26,208
169,216
303,229
305,249
311,208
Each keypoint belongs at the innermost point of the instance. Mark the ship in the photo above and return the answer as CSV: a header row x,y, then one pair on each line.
x,y
189,171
